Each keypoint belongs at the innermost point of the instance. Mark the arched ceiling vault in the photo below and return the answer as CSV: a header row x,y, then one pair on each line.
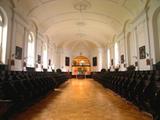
x,y
91,22
87,43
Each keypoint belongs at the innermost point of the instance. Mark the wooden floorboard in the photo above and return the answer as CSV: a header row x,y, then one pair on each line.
x,y
82,99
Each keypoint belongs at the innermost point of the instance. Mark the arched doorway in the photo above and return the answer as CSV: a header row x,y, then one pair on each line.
x,y
81,67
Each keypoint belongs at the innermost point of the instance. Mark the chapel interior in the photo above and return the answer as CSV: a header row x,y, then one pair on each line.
x,y
79,59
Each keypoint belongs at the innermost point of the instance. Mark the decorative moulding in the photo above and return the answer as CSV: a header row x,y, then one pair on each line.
x,y
82,5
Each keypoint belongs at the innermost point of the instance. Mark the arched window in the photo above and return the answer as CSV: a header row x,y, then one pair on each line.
x,y
3,36
116,53
1,27
45,59
108,58
31,50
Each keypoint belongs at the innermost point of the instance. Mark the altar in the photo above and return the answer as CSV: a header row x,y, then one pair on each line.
x,y
81,67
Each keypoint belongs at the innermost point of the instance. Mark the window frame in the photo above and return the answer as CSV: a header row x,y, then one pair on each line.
x,y
1,25
3,37
45,56
108,58
30,44
1,16
116,54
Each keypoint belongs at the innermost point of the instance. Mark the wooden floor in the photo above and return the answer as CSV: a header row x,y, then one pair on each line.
x,y
82,99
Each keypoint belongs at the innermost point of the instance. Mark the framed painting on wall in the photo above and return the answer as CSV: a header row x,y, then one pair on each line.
x,y
136,63
67,61
94,61
142,52
39,59
49,62
148,62
111,61
18,54
122,58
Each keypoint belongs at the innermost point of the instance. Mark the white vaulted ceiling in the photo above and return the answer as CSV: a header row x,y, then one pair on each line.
x,y
96,23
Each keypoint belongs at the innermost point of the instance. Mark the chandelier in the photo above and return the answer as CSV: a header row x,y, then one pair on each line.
x,y
81,6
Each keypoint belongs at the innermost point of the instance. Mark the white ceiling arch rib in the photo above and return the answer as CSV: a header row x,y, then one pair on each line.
x,y
75,22
84,14
73,42
70,41
44,2
87,45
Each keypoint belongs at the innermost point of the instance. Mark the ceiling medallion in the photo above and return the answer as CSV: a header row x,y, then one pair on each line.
x,y
82,5
81,34
80,23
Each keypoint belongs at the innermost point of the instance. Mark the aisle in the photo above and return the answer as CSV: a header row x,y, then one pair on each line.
x,y
82,100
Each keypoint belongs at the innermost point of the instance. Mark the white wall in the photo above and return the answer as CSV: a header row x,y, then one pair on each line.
x,y
144,30
6,7
19,31
100,53
132,49
142,33
153,11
